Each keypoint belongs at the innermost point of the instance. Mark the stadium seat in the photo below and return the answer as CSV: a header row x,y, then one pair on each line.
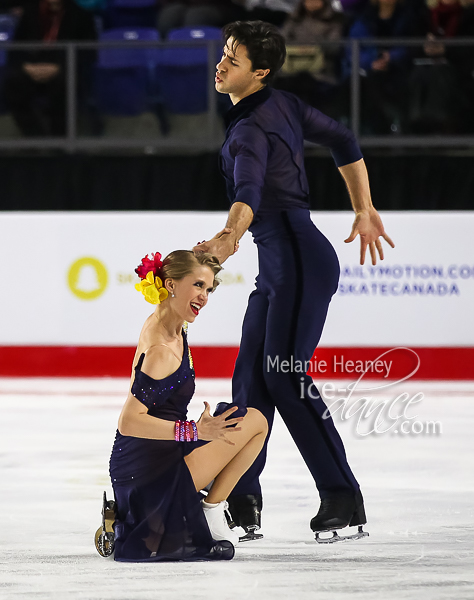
x,y
7,32
125,79
184,70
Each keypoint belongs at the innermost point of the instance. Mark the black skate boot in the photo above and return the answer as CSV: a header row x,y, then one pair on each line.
x,y
338,511
104,537
246,512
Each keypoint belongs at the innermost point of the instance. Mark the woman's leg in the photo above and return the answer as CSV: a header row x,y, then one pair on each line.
x,y
225,463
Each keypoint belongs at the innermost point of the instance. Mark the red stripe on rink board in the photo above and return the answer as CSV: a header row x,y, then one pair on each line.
x,y
218,361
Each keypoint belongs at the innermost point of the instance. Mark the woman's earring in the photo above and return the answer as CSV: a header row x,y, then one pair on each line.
x,y
172,295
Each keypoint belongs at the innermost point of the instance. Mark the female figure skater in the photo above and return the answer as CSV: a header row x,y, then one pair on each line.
x,y
262,161
160,461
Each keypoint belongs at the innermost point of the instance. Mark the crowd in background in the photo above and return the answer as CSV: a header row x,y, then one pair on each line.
x,y
421,89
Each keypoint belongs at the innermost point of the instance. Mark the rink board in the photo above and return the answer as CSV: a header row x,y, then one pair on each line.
x,y
69,305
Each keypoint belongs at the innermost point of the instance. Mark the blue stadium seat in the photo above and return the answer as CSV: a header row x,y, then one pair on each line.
x,y
7,32
125,79
184,70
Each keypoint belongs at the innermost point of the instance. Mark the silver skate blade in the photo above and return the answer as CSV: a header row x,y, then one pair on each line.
x,y
341,538
251,534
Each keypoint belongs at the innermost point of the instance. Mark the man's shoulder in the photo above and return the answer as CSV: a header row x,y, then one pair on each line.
x,y
279,113
248,132
280,106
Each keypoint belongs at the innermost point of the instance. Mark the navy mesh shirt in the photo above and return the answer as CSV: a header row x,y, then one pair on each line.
x,y
262,158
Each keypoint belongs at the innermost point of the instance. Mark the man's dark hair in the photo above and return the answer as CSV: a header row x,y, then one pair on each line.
x,y
265,44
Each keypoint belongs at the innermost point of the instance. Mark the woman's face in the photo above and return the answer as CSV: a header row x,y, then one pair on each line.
x,y
191,293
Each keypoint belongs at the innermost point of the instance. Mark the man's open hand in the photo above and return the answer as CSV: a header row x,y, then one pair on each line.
x,y
368,225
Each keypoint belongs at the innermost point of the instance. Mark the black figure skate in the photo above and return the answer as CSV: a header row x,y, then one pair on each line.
x,y
338,511
246,512
104,536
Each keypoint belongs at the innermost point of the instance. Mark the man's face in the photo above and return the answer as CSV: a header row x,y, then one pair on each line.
x,y
234,72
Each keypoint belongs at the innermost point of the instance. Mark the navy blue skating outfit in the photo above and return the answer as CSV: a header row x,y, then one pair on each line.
x,y
262,161
159,514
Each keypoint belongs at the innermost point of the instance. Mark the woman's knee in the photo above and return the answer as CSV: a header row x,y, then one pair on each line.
x,y
257,420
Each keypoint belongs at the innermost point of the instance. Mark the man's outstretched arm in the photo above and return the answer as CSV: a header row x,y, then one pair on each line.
x,y
367,224
226,242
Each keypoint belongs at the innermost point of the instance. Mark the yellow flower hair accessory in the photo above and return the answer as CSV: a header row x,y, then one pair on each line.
x,y
151,285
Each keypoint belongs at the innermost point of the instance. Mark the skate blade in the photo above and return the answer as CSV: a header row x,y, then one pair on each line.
x,y
104,543
250,536
104,538
341,538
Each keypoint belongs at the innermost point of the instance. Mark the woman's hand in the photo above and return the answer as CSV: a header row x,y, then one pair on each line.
x,y
216,428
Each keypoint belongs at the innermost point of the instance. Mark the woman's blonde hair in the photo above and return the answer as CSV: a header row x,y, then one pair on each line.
x,y
180,263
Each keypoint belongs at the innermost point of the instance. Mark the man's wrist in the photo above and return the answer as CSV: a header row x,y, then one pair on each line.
x,y
365,210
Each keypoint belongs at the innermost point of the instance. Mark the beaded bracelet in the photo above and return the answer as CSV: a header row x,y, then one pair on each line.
x,y
185,431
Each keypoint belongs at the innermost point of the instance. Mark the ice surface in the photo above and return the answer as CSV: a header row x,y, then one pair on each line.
x,y
55,441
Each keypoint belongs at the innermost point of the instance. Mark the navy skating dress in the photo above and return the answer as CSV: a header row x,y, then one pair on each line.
x,y
159,515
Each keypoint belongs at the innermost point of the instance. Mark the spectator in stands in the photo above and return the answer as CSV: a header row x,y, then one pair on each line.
x,y
312,71
15,6
466,61
351,8
95,5
189,13
384,69
271,11
35,89
438,102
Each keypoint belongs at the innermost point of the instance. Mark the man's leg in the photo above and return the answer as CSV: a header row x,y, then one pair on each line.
x,y
303,285
248,384
312,272
248,388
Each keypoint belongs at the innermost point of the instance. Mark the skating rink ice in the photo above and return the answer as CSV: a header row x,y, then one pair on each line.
x,y
56,436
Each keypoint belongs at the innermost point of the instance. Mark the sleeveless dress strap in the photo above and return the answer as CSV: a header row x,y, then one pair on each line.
x,y
140,361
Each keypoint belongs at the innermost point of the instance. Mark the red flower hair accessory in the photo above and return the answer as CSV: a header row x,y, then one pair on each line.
x,y
149,264
151,285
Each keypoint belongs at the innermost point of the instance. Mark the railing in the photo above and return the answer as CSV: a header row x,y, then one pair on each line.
x,y
212,138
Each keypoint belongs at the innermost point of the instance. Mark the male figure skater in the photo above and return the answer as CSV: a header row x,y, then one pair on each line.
x,y
262,162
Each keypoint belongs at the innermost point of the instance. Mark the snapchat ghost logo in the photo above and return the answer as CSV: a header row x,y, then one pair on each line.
x,y
87,278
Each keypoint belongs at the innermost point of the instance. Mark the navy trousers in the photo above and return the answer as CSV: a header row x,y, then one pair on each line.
x,y
298,275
